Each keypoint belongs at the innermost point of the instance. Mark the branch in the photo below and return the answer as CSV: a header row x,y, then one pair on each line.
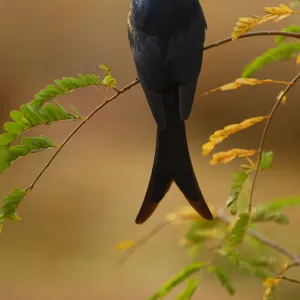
x,y
221,216
264,135
290,280
119,92
134,83
274,245
252,34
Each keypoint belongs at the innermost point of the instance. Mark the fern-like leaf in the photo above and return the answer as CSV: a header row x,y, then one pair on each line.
x,y
63,86
10,204
292,29
189,291
283,51
182,276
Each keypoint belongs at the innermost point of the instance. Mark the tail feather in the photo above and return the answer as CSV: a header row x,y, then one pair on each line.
x,y
172,163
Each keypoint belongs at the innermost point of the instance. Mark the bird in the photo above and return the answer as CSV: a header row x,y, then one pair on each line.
x,y
166,38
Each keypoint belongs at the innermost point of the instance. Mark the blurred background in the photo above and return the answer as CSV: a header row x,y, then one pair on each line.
x,y
64,247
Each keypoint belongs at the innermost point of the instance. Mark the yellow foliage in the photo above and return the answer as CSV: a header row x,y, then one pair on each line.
x,y
243,25
283,99
226,157
281,10
271,283
124,245
298,60
208,147
220,135
244,81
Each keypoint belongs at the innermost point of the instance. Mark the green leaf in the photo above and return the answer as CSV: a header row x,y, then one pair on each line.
x,y
239,230
223,278
63,86
105,68
283,51
75,111
52,113
6,138
282,203
198,232
292,28
182,276
62,112
239,178
13,128
109,81
264,262
260,214
266,160
249,266
3,166
4,153
10,203
30,115
37,143
189,291
17,151
18,117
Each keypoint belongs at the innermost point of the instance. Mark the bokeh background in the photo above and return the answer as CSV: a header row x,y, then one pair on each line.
x,y
64,248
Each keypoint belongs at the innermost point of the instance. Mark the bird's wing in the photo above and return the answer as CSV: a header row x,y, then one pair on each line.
x,y
184,61
150,65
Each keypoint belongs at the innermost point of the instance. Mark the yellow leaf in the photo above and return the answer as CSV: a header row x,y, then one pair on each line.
x,y
265,19
208,147
244,81
271,282
246,20
298,59
226,157
220,135
286,8
248,81
281,17
243,25
188,212
283,265
230,86
124,245
281,10
283,99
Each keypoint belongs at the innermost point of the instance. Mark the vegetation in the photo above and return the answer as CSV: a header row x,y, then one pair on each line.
x,y
227,232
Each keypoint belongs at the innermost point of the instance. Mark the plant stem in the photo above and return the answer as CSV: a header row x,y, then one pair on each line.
x,y
264,135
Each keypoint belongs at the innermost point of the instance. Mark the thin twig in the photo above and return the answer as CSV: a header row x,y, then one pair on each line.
x,y
144,240
290,280
264,135
292,265
220,215
266,241
252,34
127,87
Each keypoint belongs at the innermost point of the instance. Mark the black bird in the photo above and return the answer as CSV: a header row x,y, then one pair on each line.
x,y
166,38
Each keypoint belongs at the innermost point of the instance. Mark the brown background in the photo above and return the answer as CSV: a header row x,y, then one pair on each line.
x,y
87,200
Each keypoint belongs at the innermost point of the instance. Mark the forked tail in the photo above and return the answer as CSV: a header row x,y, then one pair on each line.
x,y
172,162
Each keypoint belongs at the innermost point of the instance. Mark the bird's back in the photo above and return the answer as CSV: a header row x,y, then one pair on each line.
x,y
164,18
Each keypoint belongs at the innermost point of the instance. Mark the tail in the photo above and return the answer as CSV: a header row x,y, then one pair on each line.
x,y
172,162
